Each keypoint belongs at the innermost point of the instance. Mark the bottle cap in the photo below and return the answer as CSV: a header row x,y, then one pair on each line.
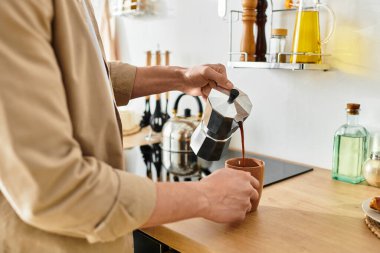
x,y
353,108
280,32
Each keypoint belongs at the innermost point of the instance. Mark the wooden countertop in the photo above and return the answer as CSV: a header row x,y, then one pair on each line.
x,y
308,213
139,138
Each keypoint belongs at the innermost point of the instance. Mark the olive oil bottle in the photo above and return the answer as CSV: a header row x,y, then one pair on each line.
x,y
306,38
350,148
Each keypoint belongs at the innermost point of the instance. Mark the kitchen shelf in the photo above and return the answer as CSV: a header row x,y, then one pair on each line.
x,y
270,65
282,10
235,16
129,8
290,9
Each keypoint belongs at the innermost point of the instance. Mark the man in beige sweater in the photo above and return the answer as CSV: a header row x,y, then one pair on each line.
x,y
63,187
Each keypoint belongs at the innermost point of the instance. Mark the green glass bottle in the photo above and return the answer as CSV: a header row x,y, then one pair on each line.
x,y
350,148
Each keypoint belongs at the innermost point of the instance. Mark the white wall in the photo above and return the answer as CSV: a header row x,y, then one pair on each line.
x,y
295,114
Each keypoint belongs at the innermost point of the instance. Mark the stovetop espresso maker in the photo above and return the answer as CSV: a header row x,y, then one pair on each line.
x,y
224,109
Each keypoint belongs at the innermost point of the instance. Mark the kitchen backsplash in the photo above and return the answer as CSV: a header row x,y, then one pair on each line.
x,y
294,114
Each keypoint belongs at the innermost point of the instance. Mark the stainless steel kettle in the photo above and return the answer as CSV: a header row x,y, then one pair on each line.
x,y
177,155
224,109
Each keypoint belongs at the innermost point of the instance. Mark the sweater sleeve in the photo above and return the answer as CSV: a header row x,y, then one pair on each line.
x,y
122,77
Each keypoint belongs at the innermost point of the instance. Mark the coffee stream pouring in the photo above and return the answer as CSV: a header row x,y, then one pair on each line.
x,y
224,109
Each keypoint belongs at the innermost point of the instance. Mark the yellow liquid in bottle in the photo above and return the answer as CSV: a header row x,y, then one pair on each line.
x,y
306,37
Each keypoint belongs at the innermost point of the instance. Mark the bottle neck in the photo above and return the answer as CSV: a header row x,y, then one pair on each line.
x,y
352,119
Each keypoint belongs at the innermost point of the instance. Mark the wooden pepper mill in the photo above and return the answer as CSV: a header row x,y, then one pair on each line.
x,y
247,43
261,42
158,57
133,4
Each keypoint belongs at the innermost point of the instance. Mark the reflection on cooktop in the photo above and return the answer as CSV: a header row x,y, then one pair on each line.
x,y
148,160
155,169
275,170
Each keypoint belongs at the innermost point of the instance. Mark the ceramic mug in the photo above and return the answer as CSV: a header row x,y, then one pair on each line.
x,y
253,166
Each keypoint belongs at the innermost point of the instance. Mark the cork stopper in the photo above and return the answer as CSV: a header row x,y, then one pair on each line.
x,y
280,32
353,108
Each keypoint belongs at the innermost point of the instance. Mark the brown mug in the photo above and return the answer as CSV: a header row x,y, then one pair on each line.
x,y
253,166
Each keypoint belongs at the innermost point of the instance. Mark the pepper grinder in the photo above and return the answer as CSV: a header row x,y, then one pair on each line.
x,y
158,57
247,43
167,58
261,42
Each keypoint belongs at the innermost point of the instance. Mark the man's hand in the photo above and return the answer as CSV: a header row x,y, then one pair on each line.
x,y
200,80
196,81
225,196
229,195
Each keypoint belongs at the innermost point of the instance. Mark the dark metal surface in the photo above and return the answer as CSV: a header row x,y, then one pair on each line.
x,y
153,167
275,170
144,243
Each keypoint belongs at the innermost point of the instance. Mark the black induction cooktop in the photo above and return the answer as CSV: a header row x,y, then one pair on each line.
x,y
275,170
147,161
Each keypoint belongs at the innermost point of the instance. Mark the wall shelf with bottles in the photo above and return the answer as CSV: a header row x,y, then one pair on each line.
x,y
131,8
234,62
275,65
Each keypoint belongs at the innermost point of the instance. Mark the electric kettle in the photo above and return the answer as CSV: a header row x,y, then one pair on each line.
x,y
224,109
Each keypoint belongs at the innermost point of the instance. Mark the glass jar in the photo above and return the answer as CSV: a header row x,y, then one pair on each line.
x,y
277,45
374,143
371,169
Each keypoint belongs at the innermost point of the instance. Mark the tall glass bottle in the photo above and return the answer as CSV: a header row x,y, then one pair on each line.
x,y
350,148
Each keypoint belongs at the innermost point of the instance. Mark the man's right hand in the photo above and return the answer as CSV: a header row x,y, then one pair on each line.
x,y
229,194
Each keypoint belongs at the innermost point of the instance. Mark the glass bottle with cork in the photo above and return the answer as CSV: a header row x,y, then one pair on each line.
x,y
350,148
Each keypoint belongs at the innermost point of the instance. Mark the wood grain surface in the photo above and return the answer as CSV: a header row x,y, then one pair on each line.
x,y
308,213
247,43
139,139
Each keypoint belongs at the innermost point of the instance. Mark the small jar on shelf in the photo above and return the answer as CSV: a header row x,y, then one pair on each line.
x,y
277,45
